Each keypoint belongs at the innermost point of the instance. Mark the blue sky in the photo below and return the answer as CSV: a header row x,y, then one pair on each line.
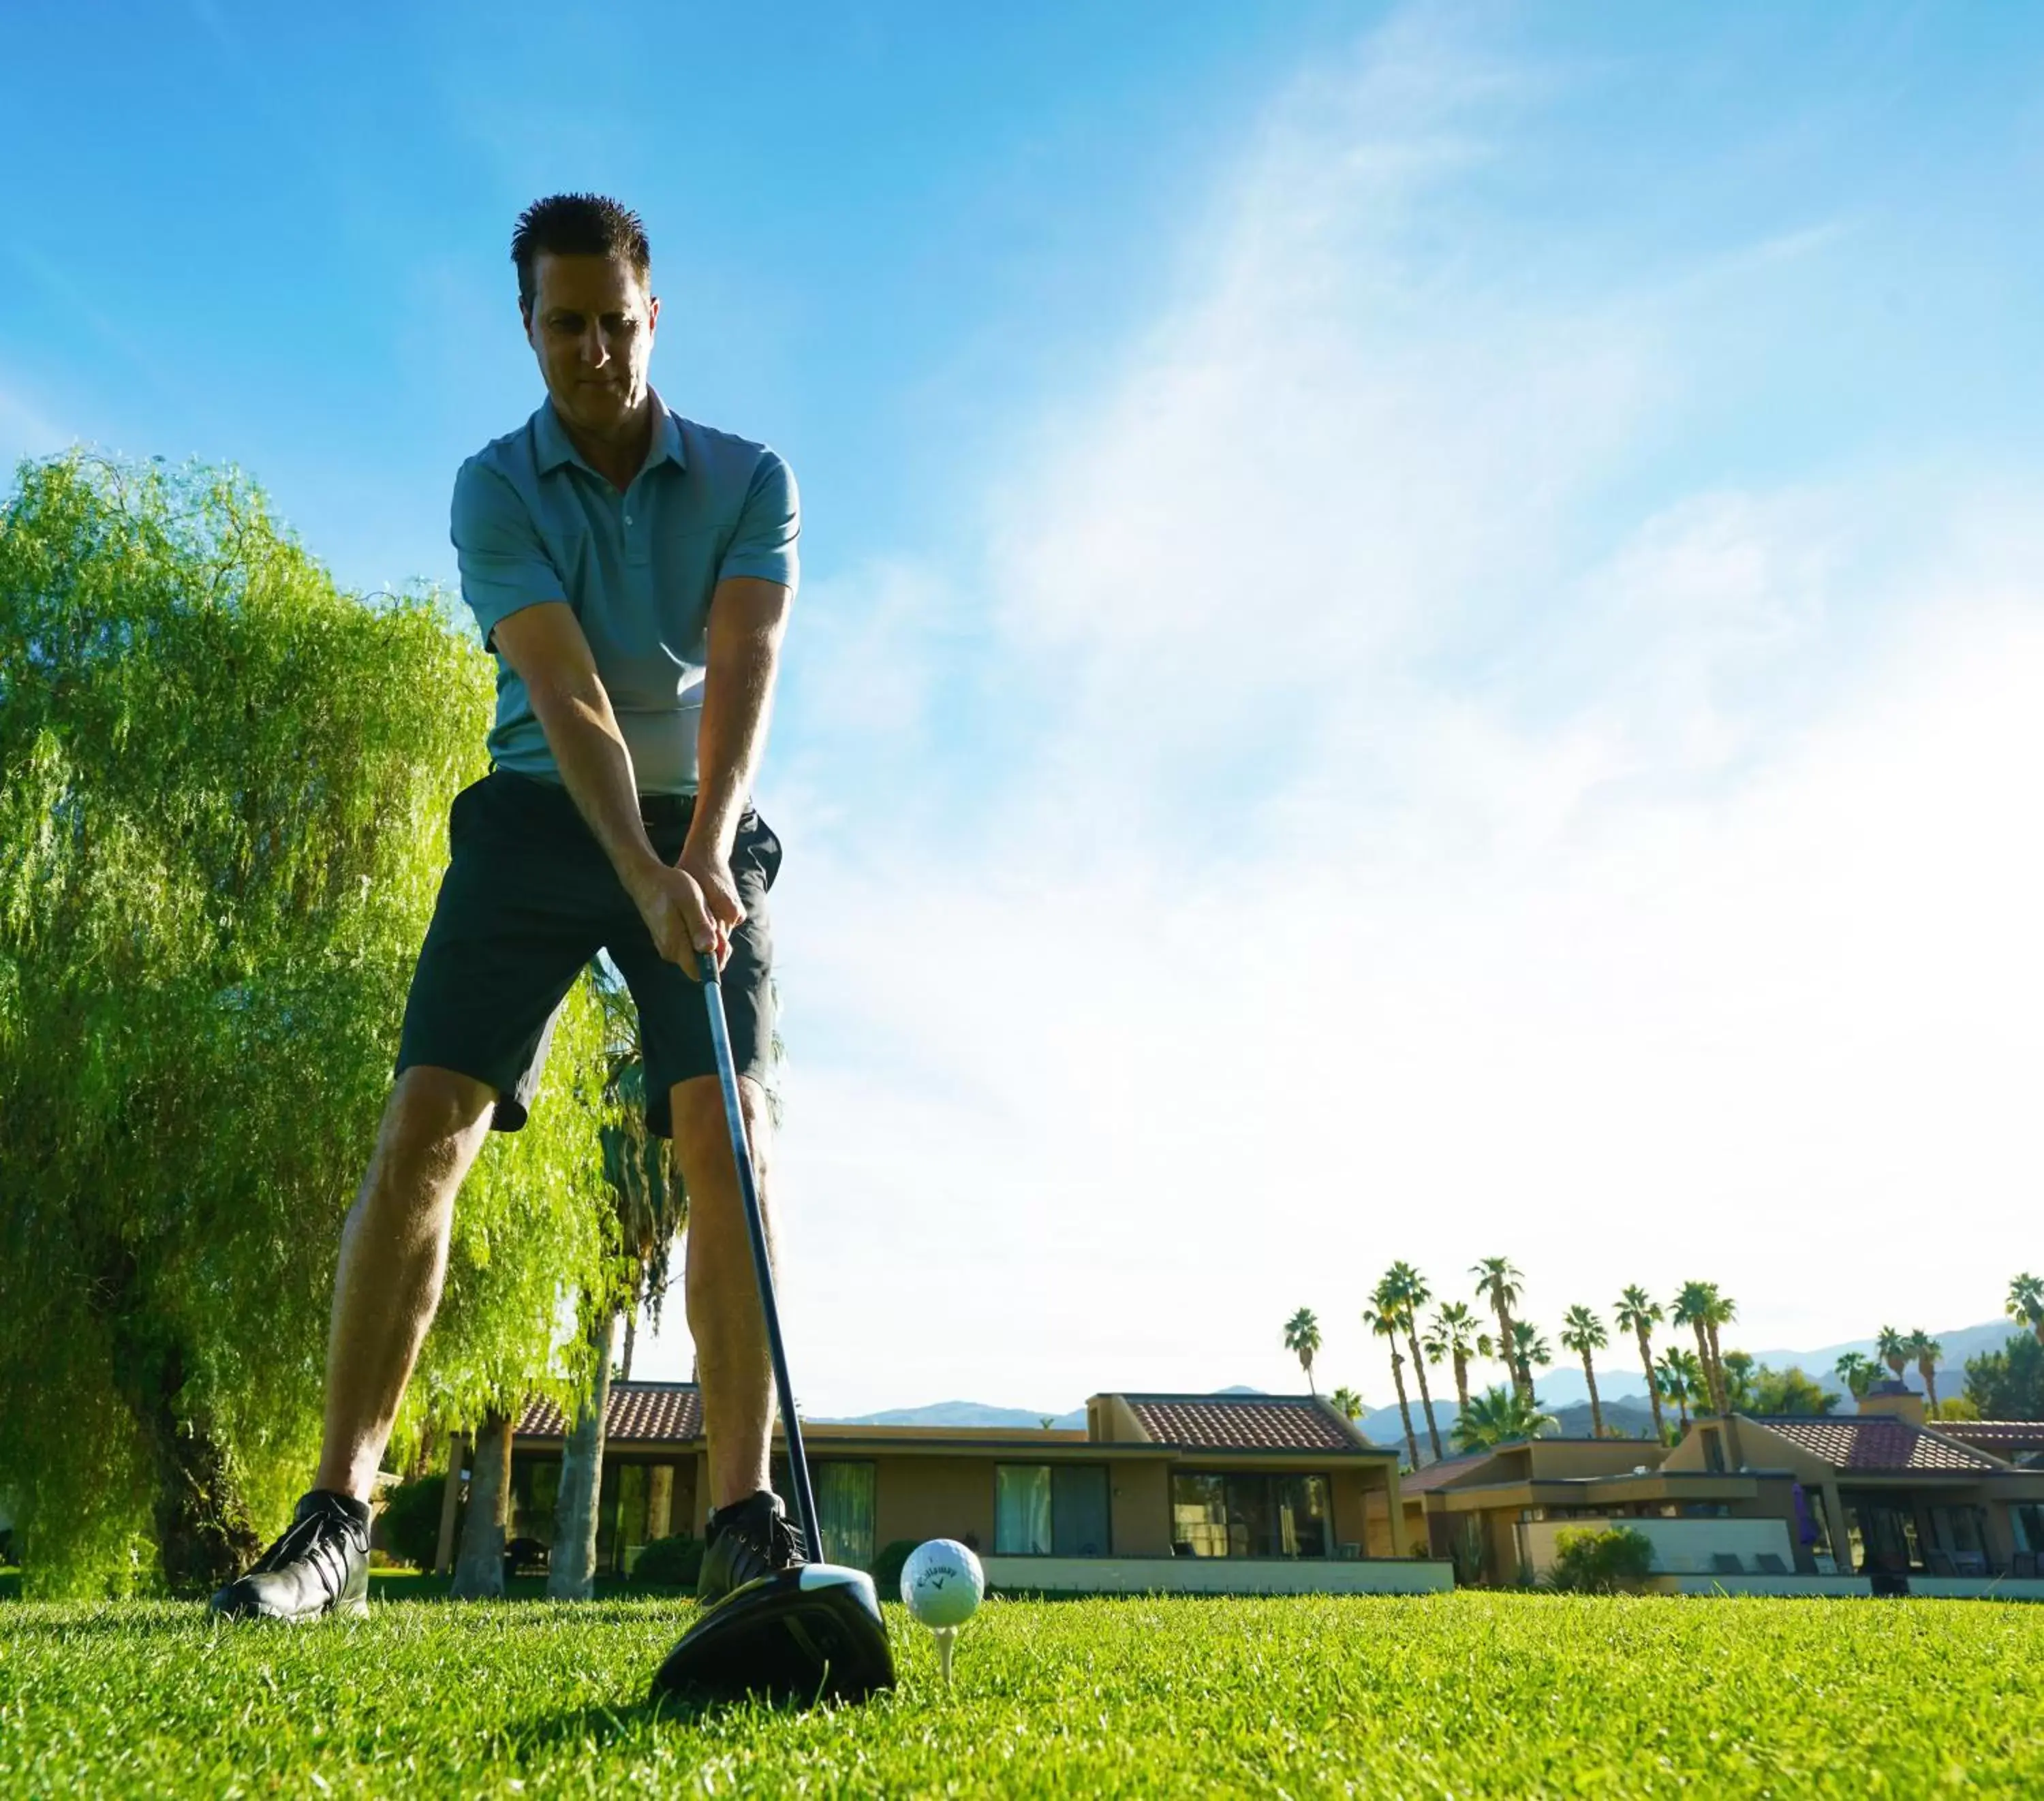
x,y
1420,623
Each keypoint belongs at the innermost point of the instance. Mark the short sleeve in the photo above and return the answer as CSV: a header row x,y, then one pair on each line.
x,y
770,522
504,567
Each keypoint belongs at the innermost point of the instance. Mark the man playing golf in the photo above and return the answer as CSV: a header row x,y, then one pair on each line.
x,y
632,571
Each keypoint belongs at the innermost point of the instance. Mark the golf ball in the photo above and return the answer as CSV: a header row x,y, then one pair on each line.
x,y
941,1583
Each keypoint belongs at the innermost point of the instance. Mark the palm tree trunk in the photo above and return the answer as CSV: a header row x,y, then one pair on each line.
x,y
1703,1357
1426,1398
1718,1386
478,1570
572,1563
1929,1373
631,1339
1405,1412
1653,1387
1462,1385
1519,1385
1596,1406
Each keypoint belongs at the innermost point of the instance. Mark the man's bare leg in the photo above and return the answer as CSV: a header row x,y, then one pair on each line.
x,y
732,1363
392,1259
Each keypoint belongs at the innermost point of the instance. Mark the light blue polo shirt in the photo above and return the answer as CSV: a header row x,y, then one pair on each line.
x,y
532,522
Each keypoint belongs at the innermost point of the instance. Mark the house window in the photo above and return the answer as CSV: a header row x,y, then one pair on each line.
x,y
2027,1517
844,1511
1249,1516
1049,1510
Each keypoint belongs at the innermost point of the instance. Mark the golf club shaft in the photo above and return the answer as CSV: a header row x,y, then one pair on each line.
x,y
756,1225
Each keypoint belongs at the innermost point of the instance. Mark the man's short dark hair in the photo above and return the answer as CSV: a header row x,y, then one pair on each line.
x,y
576,224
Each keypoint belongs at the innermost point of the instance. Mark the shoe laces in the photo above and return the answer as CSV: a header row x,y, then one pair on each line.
x,y
316,1537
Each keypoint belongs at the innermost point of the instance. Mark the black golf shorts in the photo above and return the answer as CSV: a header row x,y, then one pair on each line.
x,y
528,898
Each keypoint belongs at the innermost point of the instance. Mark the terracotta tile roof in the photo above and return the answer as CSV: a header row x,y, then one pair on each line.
x,y
1240,1422
2005,1438
639,1413
1875,1442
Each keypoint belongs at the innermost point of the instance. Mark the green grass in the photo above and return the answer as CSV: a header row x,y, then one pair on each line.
x,y
1464,1694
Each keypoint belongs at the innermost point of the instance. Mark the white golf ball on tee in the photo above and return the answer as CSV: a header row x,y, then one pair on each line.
x,y
941,1583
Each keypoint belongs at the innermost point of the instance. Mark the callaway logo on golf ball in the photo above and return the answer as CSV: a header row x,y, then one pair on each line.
x,y
941,1583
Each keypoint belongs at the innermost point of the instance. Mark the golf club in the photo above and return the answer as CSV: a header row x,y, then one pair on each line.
x,y
814,1632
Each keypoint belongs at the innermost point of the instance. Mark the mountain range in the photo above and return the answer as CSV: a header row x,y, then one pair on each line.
x,y
1562,1390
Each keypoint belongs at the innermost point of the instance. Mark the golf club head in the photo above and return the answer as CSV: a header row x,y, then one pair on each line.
x,y
810,1634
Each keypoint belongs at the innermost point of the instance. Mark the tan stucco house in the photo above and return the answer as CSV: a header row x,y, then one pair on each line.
x,y
1267,1493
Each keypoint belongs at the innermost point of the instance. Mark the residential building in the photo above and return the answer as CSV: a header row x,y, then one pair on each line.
x,y
1269,1493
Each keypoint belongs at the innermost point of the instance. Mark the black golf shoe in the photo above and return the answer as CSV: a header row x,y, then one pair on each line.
x,y
320,1566
748,1539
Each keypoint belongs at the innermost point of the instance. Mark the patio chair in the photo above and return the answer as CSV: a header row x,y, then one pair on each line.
x,y
1725,1563
1769,1563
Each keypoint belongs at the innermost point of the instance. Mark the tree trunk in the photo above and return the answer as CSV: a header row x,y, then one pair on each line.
x,y
1596,1406
1519,1386
1718,1386
1426,1398
1710,1372
1929,1373
204,1535
631,1342
1405,1412
478,1570
450,1506
572,1563
1653,1387
1462,1385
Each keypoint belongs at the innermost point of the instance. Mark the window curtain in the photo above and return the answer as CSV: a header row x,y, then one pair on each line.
x,y
1022,1510
844,1511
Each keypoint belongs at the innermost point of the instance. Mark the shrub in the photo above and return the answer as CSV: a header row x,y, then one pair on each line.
x,y
409,1527
887,1568
669,1562
1613,1561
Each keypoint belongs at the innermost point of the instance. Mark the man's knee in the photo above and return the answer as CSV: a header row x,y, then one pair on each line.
x,y
702,1137
433,1124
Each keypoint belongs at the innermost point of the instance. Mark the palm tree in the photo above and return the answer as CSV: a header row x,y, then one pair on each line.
x,y
1926,1350
1857,1370
1498,1417
2026,1303
1681,1377
1497,1280
1582,1332
1722,1312
1347,1402
1529,1352
1302,1338
1892,1348
1455,1335
1409,1288
1638,1313
1693,1308
1383,1317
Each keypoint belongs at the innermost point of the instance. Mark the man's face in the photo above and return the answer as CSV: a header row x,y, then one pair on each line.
x,y
592,328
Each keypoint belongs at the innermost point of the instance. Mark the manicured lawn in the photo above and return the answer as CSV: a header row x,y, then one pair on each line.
x,y
1464,1694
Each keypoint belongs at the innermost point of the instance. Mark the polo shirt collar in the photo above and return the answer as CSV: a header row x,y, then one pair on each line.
x,y
550,440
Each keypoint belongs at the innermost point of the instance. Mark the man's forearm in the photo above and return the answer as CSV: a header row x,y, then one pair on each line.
x,y
595,764
738,694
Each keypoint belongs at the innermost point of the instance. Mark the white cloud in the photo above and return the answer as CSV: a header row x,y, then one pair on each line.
x,y
1377,842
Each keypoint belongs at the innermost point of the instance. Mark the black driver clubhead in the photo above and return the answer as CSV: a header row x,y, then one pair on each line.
x,y
810,1634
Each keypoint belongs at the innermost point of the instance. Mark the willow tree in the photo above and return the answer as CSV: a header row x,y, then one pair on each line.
x,y
223,792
